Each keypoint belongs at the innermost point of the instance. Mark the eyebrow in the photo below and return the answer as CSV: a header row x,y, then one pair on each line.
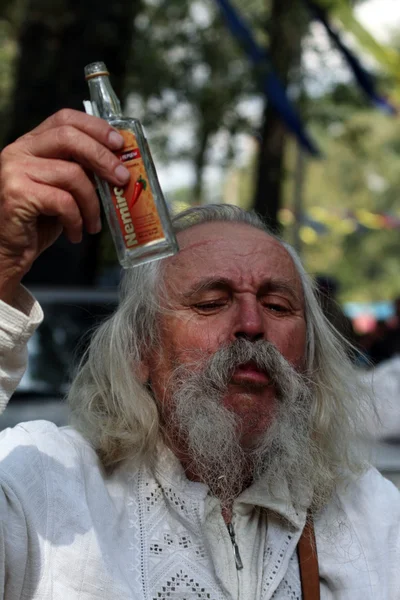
x,y
269,285
207,283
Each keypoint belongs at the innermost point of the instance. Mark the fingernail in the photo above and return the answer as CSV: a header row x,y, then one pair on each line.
x,y
122,174
98,225
115,140
96,228
76,238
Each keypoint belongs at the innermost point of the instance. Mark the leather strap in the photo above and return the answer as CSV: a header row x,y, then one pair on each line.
x,y
308,563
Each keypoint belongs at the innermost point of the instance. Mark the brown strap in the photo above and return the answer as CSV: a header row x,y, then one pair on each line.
x,y
308,563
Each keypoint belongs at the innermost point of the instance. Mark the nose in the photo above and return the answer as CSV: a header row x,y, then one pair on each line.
x,y
249,323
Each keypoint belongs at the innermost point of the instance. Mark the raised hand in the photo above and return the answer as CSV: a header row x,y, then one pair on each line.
x,y
46,188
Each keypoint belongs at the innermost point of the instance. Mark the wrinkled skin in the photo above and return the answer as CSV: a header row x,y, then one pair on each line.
x,y
228,281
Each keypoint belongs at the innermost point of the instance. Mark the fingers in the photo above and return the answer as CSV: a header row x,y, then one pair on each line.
x,y
44,185
21,219
70,134
67,142
71,178
31,185
55,202
95,127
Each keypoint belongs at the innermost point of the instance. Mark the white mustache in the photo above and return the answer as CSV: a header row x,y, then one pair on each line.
x,y
221,366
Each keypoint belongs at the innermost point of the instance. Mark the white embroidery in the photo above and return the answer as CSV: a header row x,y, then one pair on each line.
x,y
168,555
290,587
183,587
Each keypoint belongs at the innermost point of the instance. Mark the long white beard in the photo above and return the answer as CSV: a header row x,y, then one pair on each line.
x,y
284,454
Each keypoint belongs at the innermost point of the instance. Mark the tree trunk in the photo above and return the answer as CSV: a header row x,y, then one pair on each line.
x,y
199,164
57,40
288,23
298,197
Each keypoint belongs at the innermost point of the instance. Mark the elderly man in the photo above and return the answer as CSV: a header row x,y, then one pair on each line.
x,y
211,453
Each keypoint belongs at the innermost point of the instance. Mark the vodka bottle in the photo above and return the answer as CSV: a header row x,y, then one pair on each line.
x,y
136,213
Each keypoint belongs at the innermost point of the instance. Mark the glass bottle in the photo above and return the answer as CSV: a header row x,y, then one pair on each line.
x,y
137,213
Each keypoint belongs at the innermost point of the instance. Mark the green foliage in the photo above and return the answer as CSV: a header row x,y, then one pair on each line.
x,y
359,172
11,14
190,74
8,49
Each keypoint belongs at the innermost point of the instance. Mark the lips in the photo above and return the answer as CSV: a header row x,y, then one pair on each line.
x,y
250,374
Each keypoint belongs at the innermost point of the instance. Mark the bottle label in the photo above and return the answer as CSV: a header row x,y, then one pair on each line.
x,y
134,203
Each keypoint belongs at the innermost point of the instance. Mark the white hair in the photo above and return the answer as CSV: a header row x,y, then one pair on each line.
x,y
118,414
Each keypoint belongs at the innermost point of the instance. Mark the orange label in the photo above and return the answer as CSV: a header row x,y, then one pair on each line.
x,y
134,203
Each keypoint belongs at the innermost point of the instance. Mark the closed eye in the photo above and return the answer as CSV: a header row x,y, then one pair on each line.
x,y
281,308
209,306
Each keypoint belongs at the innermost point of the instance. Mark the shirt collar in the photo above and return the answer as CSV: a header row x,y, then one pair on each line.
x,y
275,498
170,472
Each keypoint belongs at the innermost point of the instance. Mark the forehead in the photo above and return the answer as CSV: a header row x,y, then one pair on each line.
x,y
236,251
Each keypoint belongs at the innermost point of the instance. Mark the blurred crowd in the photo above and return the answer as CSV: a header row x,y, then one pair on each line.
x,y
378,344
376,352
383,341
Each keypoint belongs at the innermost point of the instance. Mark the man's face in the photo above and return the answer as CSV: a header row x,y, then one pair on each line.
x,y
229,281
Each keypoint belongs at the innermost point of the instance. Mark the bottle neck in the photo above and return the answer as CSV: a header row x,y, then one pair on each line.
x,y
104,98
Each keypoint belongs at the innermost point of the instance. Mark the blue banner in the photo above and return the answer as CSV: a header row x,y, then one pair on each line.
x,y
271,85
364,78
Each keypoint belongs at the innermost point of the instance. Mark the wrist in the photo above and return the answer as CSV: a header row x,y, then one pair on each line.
x,y
10,280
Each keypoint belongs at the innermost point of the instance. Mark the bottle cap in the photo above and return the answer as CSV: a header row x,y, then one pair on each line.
x,y
96,69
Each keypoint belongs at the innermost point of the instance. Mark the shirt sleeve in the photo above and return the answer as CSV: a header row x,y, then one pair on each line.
x,y
23,509
17,325
13,544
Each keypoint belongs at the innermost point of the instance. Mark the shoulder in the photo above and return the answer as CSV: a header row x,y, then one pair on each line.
x,y
371,498
43,434
358,536
43,483
369,504
36,449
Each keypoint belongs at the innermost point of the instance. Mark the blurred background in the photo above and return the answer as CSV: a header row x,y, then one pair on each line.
x,y
290,107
